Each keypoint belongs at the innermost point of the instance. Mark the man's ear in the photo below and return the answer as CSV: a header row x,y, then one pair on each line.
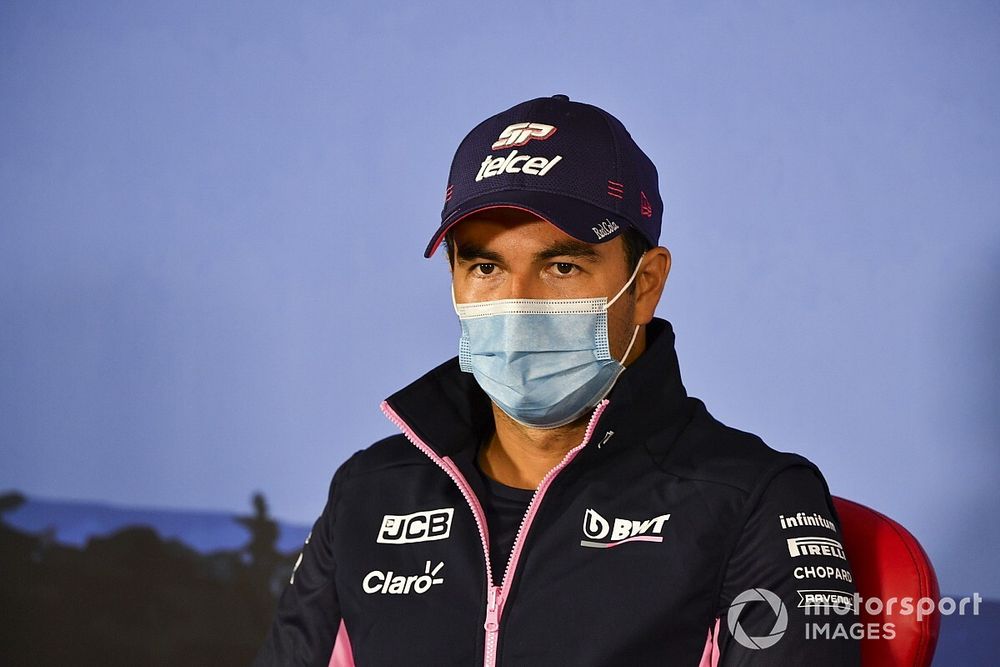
x,y
649,283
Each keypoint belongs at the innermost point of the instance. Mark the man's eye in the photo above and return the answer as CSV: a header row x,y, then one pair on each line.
x,y
565,268
485,269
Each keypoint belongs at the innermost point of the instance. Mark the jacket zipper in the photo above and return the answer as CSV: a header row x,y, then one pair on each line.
x,y
496,595
452,471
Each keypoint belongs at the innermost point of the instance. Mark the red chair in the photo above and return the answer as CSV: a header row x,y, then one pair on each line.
x,y
888,562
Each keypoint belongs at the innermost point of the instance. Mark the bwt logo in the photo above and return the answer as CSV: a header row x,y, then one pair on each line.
x,y
519,134
619,531
417,527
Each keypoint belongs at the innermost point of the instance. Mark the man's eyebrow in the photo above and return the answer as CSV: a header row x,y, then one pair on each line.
x,y
470,251
577,249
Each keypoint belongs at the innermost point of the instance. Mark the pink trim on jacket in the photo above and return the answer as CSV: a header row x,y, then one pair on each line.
x,y
536,501
710,657
342,656
450,469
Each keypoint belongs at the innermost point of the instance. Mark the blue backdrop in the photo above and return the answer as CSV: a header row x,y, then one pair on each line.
x,y
212,218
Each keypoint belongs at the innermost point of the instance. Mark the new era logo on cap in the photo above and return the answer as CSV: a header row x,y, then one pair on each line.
x,y
645,208
579,169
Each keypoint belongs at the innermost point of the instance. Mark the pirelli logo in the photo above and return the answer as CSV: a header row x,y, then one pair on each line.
x,y
815,546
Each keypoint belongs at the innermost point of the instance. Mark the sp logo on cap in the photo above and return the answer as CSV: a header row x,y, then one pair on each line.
x,y
519,134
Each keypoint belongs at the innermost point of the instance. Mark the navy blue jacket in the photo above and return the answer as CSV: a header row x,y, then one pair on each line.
x,y
632,551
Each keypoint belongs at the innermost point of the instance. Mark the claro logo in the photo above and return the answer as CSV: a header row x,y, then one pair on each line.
x,y
390,583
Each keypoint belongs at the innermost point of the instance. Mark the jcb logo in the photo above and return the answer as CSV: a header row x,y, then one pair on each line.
x,y
519,134
417,527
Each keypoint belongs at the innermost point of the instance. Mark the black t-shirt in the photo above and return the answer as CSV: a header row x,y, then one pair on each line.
x,y
505,507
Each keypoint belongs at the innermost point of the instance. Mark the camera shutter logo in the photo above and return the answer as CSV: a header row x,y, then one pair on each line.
x,y
780,621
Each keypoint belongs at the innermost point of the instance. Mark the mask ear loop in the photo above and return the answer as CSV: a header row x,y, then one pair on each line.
x,y
453,304
635,272
635,332
453,262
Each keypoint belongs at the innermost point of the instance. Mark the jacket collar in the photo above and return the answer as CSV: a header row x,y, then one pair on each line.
x,y
447,410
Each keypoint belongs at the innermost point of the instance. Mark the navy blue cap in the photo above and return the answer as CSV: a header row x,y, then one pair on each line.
x,y
569,163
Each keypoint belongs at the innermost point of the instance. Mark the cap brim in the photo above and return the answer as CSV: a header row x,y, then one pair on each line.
x,y
581,220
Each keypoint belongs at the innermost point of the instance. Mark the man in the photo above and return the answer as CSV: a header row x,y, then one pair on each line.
x,y
555,497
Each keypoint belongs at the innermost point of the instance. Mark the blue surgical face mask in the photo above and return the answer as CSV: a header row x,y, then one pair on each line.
x,y
544,362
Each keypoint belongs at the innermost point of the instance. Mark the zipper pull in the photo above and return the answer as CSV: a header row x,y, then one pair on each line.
x,y
493,599
607,436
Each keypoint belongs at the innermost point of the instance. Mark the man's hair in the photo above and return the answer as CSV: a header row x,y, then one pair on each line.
x,y
635,245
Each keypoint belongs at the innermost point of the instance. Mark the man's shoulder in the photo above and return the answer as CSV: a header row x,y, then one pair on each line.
x,y
392,452
710,451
